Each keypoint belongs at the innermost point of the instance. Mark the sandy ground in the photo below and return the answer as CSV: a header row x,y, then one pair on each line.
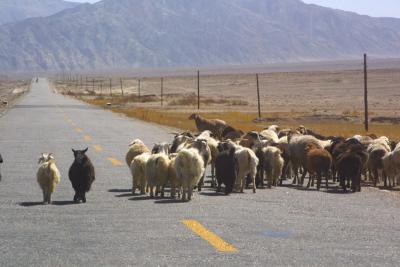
x,y
317,93
10,91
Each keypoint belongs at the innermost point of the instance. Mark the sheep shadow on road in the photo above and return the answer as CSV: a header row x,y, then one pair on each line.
x,y
169,201
31,204
56,203
120,190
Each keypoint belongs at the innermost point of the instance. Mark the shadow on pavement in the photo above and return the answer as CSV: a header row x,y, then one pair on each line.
x,y
64,203
120,190
31,204
143,197
213,194
124,195
168,201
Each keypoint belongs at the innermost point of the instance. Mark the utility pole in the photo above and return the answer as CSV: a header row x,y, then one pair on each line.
x,y
258,97
366,92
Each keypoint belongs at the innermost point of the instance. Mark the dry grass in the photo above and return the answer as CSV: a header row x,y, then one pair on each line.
x,y
248,122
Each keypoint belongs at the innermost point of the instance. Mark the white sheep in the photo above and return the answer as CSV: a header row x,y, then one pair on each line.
x,y
189,167
136,147
48,176
173,178
157,173
274,128
377,150
138,171
213,145
272,164
270,135
391,165
247,162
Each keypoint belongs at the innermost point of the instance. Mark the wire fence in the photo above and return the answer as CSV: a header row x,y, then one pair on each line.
x,y
325,93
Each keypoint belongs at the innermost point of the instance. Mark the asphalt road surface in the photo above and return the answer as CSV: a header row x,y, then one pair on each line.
x,y
279,227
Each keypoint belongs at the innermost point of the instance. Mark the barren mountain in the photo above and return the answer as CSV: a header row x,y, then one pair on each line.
x,y
17,10
159,33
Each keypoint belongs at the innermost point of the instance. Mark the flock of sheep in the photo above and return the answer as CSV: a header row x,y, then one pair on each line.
x,y
239,160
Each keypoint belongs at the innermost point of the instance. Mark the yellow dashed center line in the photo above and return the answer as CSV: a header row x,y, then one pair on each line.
x,y
79,130
209,236
115,162
87,138
98,148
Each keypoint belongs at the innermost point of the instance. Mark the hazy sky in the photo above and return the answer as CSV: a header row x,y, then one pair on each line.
x,y
381,8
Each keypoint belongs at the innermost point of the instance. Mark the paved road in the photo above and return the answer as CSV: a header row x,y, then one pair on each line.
x,y
279,227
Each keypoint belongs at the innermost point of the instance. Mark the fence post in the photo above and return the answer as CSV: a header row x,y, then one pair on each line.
x,y
366,92
198,89
101,88
93,86
86,84
162,91
110,88
258,97
139,88
122,89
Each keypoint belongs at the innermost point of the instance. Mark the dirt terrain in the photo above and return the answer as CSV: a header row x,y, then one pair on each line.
x,y
328,98
10,91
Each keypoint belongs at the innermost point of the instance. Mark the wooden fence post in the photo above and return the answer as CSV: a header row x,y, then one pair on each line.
x,y
162,91
122,88
139,88
110,88
93,86
198,89
366,92
258,97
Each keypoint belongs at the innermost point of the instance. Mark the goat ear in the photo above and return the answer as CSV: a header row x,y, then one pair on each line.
x,y
73,150
85,150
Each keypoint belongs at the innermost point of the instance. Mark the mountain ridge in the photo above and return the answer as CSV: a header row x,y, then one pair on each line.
x,y
159,33
12,11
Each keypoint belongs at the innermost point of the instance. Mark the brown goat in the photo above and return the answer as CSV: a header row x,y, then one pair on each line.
x,y
215,126
318,162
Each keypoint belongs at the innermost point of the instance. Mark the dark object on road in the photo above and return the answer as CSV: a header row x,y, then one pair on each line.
x,y
350,163
37,80
225,168
1,161
81,174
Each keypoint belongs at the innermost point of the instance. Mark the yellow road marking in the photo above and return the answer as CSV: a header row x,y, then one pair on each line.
x,y
115,162
209,236
78,130
98,148
87,138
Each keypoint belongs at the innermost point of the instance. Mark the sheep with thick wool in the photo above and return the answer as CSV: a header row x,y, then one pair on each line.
x,y
189,167
377,150
136,147
48,176
391,166
246,162
272,164
174,182
157,173
138,171
213,146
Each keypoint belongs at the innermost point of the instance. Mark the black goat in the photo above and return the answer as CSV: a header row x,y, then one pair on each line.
x,y
1,161
81,174
225,168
